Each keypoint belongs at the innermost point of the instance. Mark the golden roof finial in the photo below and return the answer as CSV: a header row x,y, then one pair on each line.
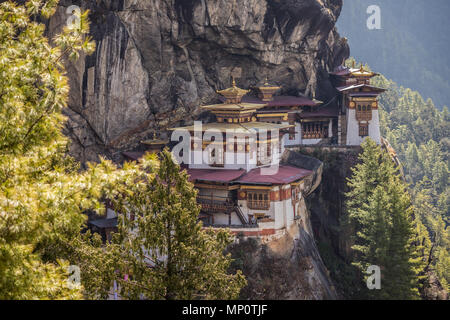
x,y
233,94
362,68
233,82
266,91
353,64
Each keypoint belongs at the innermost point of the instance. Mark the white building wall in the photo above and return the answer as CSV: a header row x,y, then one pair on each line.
x,y
233,161
353,138
221,218
280,211
279,214
247,211
235,219
289,213
297,139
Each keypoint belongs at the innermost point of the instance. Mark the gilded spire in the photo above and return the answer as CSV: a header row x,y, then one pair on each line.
x,y
233,82
267,91
233,94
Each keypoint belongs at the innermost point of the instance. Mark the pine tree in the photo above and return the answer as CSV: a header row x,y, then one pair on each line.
x,y
373,237
380,211
43,194
164,250
403,263
40,191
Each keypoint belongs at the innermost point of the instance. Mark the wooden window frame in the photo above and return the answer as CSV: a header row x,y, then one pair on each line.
x,y
363,112
257,200
363,129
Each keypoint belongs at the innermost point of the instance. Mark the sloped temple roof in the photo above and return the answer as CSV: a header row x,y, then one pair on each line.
x,y
284,174
214,175
357,86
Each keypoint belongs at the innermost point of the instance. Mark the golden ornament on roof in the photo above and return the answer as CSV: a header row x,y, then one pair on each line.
x,y
233,94
267,91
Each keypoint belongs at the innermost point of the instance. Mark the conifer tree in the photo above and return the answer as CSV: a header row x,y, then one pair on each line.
x,y
165,253
380,213
43,194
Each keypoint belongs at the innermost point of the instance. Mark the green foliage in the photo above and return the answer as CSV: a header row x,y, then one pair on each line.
x,y
186,262
419,134
44,195
381,214
41,193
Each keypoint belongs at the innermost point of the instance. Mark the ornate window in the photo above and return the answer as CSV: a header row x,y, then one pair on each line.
x,y
363,129
258,200
363,112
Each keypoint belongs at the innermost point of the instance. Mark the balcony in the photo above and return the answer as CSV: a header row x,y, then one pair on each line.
x,y
363,115
259,205
215,204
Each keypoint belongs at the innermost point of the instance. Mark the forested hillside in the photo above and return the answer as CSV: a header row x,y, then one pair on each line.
x,y
411,47
419,133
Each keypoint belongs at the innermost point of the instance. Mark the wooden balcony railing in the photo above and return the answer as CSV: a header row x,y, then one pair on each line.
x,y
259,205
213,205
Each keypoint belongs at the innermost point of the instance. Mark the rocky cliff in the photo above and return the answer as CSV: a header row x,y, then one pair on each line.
x,y
156,61
288,267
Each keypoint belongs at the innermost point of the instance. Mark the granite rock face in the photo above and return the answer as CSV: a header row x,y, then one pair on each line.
x,y
157,61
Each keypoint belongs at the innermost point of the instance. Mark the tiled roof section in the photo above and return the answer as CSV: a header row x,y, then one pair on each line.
x,y
214,175
284,175
356,86
328,111
282,101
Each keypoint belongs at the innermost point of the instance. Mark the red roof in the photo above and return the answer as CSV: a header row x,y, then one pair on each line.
x,y
285,175
282,101
214,175
329,111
